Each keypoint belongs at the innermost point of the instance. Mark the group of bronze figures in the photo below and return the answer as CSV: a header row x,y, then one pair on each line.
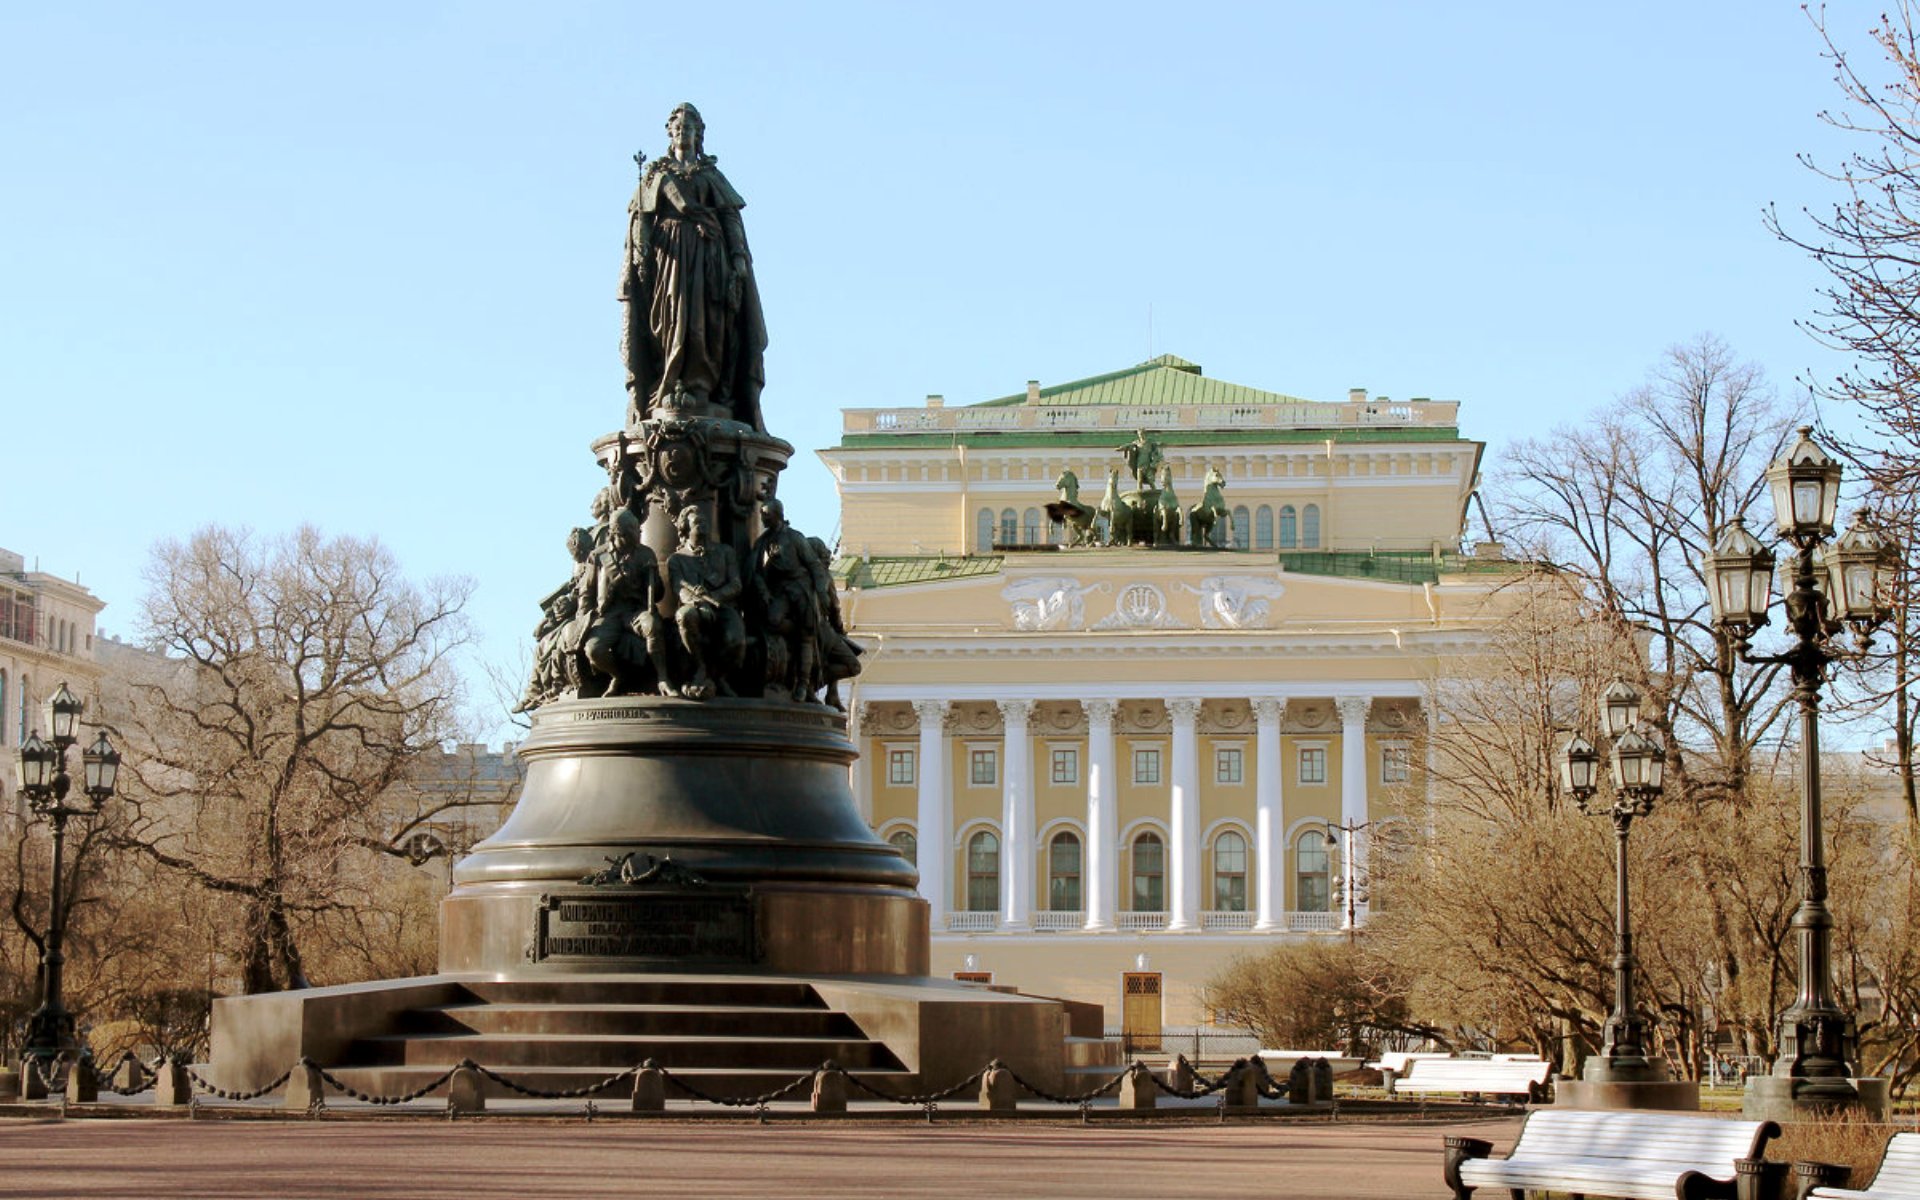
x,y
1148,513
743,604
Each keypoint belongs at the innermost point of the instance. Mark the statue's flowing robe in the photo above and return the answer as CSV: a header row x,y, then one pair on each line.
x,y
682,332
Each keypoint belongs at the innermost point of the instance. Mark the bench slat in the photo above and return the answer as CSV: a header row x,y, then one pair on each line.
x,y
1620,1154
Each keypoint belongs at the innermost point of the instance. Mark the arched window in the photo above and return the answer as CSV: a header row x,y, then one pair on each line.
x,y
1030,527
1056,532
1242,527
1388,848
983,872
908,846
3,708
1263,528
983,532
1230,872
1310,872
1063,873
1009,526
1310,527
1149,874
1289,528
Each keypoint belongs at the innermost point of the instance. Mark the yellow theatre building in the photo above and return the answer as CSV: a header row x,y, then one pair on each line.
x,y
1119,767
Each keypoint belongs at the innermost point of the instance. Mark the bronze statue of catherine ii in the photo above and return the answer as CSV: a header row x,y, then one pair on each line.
x,y
694,338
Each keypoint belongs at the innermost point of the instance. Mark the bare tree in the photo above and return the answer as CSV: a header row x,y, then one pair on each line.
x,y
301,677
1868,243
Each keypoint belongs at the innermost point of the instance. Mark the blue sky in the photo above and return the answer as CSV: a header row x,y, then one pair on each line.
x,y
355,264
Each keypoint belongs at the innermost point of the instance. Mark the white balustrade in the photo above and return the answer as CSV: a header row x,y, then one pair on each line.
x,y
1058,920
1311,922
973,922
1142,922
1225,921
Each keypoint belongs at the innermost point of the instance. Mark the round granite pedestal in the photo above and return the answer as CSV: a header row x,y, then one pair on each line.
x,y
748,800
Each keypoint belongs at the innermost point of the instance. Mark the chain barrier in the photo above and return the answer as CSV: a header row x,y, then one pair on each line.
x,y
927,1099
50,1079
341,1085
1083,1098
1265,1085
1203,1088
757,1102
223,1094
152,1071
591,1089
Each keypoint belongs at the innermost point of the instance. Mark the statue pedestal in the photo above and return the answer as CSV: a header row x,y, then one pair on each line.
x,y
681,880
1781,1098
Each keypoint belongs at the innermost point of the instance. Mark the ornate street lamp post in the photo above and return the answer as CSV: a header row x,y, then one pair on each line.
x,y
1833,587
45,784
1637,763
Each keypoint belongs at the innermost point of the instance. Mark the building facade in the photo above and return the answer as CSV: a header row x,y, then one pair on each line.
x,y
46,639
1116,768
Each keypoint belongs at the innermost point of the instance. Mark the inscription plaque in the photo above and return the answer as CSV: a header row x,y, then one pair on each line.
x,y
601,925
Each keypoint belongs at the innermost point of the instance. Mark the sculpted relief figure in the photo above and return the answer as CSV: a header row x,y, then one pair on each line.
x,y
693,334
839,654
1048,604
564,616
627,643
1236,601
788,597
705,579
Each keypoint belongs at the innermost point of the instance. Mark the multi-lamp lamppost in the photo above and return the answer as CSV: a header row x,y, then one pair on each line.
x,y
1832,586
1637,764
45,784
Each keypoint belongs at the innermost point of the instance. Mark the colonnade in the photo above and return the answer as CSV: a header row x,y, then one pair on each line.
x,y
1101,885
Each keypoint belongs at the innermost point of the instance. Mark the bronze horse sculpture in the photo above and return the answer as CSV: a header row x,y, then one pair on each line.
x,y
1074,516
1207,518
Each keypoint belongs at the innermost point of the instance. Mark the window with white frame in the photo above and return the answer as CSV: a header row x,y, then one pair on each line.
x,y
1311,872
983,766
1066,764
1396,764
983,872
1149,874
908,845
900,766
1146,764
1313,764
1230,872
1229,765
1063,872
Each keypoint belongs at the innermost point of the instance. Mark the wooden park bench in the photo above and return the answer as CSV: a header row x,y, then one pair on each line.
x,y
1473,1077
1637,1155
1897,1179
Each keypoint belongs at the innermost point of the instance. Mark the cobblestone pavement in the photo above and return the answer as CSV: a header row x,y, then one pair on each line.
x,y
222,1159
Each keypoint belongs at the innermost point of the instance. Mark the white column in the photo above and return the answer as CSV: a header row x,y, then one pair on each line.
x,y
1269,816
1183,819
933,817
1016,819
1100,882
862,770
1353,797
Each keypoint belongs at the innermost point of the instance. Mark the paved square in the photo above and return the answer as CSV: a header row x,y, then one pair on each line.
x,y
479,1160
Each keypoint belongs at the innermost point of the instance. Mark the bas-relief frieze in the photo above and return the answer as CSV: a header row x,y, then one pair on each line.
x,y
1050,603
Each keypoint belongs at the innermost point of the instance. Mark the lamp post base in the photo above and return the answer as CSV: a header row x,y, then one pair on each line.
x,y
1785,1098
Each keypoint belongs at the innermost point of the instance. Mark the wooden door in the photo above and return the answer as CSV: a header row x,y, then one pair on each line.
x,y
1140,1009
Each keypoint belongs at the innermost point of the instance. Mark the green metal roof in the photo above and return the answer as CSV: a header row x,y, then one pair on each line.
x,y
894,571
1166,380
1171,437
1387,566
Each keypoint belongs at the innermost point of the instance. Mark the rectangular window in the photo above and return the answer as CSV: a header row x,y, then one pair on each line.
x,y
1066,766
1313,764
983,768
1146,766
900,768
1228,766
1396,764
